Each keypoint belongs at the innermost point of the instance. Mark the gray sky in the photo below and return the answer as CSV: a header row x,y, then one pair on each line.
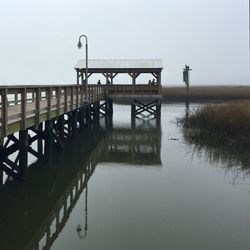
x,y
39,37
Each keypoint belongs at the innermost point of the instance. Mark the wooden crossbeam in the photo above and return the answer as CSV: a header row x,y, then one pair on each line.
x,y
9,171
142,107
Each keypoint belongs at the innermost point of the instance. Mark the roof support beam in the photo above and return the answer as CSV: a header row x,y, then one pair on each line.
x,y
110,76
134,75
157,77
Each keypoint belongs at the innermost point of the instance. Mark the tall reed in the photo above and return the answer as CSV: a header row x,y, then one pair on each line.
x,y
223,120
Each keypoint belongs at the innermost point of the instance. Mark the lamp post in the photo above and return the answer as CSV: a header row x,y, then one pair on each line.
x,y
79,45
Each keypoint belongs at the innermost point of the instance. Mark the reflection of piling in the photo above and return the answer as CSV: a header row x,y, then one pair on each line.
x,y
1,178
133,116
110,106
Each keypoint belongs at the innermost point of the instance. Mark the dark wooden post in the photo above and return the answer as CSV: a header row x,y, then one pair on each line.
x,y
23,153
134,75
58,100
40,140
186,80
87,110
49,96
77,77
81,118
60,126
81,89
38,98
110,106
77,97
1,177
71,98
23,108
74,122
4,111
66,99
48,140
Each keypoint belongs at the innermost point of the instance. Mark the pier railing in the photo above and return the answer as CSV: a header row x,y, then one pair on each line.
x,y
27,105
24,106
139,90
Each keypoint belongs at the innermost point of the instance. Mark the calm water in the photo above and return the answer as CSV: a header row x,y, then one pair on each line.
x,y
124,188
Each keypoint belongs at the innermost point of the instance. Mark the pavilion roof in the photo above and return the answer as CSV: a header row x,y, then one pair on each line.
x,y
121,64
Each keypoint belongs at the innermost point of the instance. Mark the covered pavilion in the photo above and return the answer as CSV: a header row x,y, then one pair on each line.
x,y
110,68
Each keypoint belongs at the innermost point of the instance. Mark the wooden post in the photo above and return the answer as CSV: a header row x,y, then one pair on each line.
x,y
77,97
38,98
23,153
66,99
159,78
74,122
77,77
87,110
4,110
58,100
134,75
48,140
1,177
186,80
23,108
49,92
81,118
40,140
81,89
72,98
60,126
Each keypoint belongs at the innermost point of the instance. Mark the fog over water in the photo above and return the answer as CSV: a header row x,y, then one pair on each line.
x,y
38,38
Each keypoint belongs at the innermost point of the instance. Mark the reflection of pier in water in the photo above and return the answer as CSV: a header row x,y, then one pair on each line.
x,y
134,146
36,211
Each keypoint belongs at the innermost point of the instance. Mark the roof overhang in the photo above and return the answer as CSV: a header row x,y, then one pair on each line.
x,y
120,65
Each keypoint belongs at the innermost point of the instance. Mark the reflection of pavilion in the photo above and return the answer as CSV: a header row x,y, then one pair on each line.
x,y
133,146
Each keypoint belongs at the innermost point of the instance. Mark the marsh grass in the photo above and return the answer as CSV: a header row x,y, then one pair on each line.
x,y
227,121
221,132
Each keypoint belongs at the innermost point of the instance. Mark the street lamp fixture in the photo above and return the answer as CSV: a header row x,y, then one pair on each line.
x,y
79,45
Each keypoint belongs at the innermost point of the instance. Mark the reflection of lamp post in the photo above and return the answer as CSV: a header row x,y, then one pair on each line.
x,y
79,230
79,45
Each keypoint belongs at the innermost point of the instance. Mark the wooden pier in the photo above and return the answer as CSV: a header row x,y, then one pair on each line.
x,y
33,118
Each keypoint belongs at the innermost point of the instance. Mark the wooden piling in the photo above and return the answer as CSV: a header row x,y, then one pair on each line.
x,y
23,153
48,140
40,140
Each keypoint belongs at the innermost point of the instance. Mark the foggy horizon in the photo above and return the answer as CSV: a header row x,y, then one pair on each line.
x,y
39,38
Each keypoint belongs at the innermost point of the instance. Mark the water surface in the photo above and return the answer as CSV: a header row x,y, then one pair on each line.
x,y
144,187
